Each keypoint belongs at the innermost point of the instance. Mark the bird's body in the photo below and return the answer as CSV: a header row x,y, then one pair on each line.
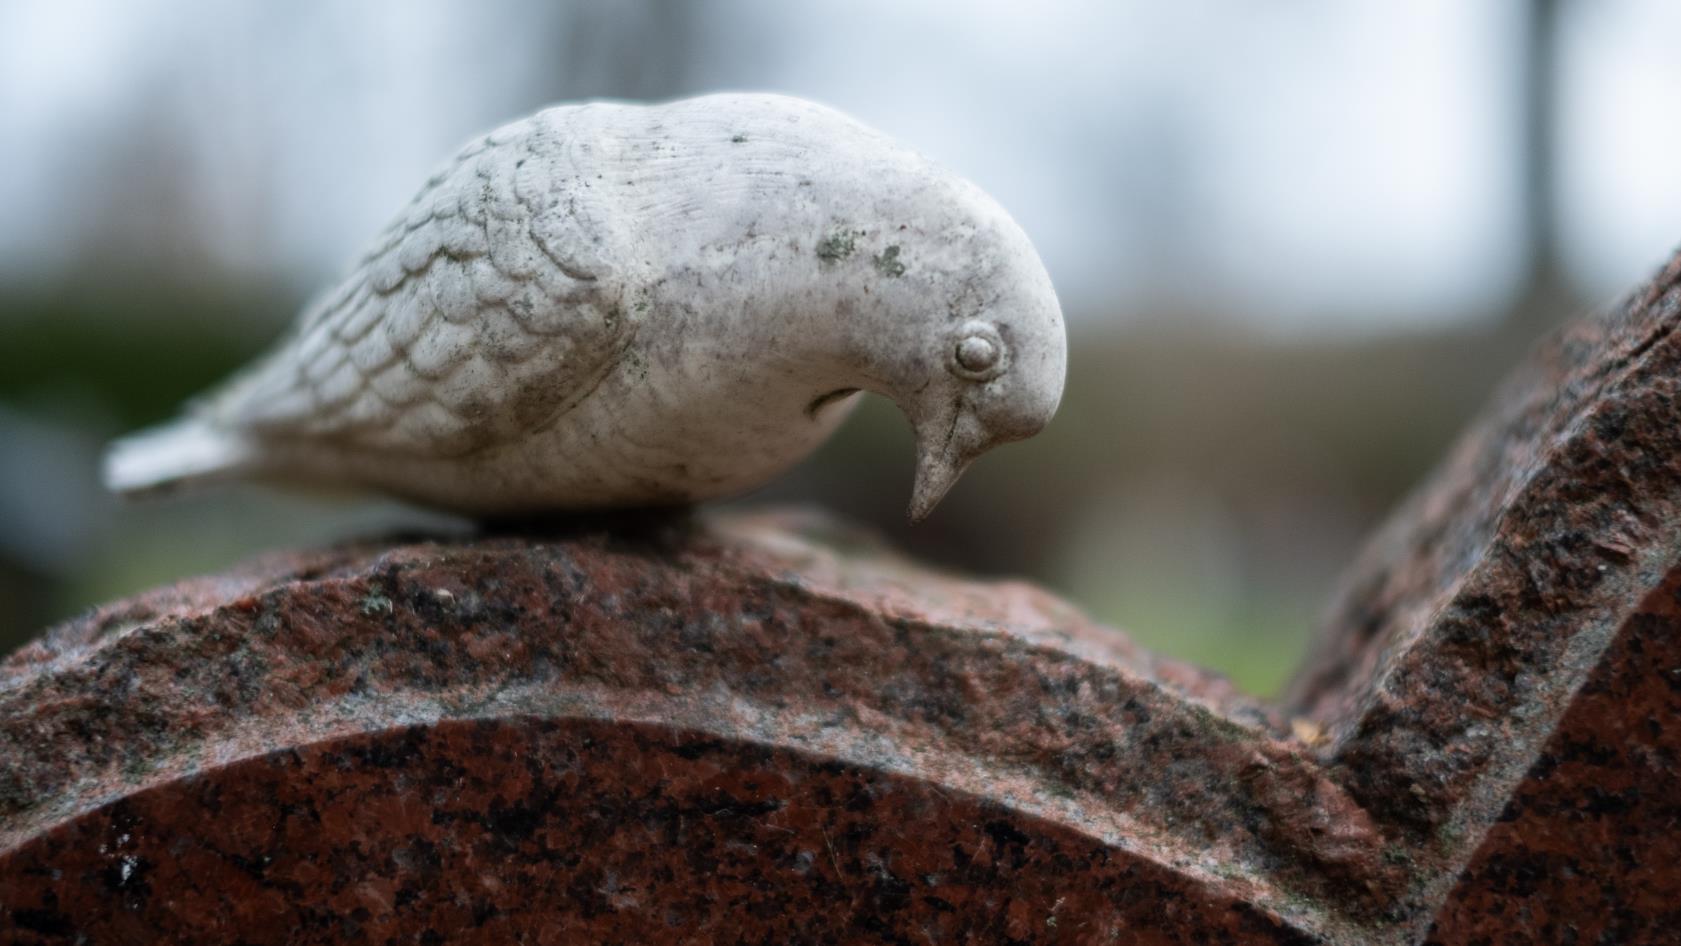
x,y
617,305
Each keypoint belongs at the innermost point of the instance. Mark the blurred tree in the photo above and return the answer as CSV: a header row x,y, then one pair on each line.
x,y
1545,295
144,209
628,49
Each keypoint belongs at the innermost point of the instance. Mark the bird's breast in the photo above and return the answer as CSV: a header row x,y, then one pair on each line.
x,y
700,427
657,430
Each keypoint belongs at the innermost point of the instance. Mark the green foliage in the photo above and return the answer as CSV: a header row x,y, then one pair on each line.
x,y
135,356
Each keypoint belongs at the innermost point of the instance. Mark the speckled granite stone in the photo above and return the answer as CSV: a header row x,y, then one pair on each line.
x,y
586,831
938,744
1588,847
1510,618
767,729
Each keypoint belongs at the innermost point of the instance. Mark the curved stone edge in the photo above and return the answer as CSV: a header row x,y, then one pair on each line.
x,y
580,830
739,627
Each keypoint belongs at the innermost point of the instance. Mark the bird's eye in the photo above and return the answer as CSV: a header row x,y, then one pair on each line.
x,y
978,353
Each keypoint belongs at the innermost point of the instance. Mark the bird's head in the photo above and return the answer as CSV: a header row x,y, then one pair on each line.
x,y
910,281
979,355
1000,379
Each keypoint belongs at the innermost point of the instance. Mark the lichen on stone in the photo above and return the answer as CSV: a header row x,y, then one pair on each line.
x,y
888,262
376,603
837,246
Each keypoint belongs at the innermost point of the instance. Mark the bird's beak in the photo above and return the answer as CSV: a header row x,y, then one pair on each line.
x,y
940,460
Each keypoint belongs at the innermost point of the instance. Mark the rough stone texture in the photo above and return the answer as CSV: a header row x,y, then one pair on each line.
x,y
1499,680
1587,847
767,729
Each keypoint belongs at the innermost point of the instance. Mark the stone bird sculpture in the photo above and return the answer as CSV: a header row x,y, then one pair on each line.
x,y
609,305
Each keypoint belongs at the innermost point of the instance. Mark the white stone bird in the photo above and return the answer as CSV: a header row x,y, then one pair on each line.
x,y
610,305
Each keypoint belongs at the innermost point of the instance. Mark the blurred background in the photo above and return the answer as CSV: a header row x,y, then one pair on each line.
x,y
1297,244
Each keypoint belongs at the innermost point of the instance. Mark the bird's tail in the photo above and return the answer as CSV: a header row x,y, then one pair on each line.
x,y
187,452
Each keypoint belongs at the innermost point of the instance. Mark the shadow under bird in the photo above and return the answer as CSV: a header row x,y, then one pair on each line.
x,y
610,305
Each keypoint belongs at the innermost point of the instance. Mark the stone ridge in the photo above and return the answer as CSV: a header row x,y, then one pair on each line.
x,y
1474,619
738,634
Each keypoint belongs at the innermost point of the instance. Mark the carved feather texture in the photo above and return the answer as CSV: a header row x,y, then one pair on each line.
x,y
482,311
612,304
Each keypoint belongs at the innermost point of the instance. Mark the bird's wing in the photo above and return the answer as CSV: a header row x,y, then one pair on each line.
x,y
483,312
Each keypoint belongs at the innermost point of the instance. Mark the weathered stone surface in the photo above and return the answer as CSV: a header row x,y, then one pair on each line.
x,y
1492,661
1588,846
642,711
766,729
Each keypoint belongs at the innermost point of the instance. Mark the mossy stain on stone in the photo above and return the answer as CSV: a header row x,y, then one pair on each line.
x,y
837,246
888,262
376,603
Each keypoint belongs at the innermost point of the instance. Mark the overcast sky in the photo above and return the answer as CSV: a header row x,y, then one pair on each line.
x,y
1313,165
